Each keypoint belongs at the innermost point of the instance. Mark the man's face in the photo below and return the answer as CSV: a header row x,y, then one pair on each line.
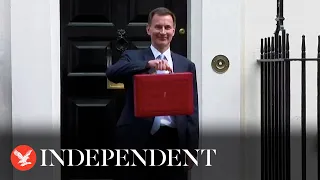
x,y
161,30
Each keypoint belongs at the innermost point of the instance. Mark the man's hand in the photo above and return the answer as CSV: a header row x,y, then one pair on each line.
x,y
159,65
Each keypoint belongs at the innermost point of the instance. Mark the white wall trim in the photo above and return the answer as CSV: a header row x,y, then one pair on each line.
x,y
5,90
216,31
35,58
194,31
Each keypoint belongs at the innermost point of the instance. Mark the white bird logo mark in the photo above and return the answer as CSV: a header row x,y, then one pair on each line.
x,y
23,159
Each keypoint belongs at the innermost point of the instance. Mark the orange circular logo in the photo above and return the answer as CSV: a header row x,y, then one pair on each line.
x,y
23,158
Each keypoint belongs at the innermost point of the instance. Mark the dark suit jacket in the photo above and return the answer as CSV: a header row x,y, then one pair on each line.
x,y
133,132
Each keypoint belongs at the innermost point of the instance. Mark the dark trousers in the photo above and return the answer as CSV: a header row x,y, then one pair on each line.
x,y
165,138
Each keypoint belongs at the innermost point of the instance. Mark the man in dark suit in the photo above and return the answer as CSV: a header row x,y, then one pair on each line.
x,y
164,132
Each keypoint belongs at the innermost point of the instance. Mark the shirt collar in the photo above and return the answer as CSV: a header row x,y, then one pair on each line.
x,y
156,53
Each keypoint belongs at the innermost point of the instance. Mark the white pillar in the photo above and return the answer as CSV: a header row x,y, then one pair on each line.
x,y
216,28
5,90
35,57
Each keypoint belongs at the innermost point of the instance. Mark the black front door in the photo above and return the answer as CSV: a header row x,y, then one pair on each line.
x,y
93,35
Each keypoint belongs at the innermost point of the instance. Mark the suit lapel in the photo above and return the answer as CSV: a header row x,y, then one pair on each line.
x,y
148,55
176,63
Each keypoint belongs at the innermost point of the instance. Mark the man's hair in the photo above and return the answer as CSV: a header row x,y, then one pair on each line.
x,y
161,11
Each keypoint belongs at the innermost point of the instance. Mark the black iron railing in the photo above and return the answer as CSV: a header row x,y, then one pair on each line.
x,y
276,101
275,106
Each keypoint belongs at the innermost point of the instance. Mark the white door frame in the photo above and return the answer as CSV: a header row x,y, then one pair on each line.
x,y
217,28
214,27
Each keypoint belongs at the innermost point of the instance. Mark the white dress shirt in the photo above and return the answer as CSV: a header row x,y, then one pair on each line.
x,y
162,120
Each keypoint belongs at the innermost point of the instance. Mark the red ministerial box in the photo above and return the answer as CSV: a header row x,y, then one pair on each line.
x,y
163,94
